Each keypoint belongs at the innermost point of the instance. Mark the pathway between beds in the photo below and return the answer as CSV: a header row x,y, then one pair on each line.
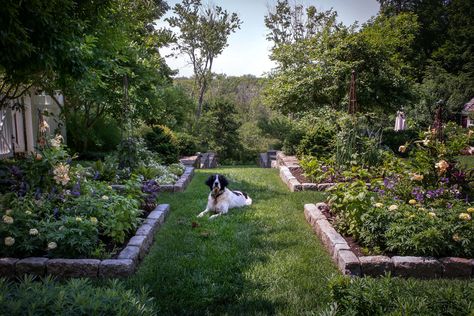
x,y
260,259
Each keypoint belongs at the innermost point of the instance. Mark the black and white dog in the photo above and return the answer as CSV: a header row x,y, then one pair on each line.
x,y
221,199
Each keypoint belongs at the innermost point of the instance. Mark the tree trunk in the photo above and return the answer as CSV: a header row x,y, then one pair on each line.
x,y
202,90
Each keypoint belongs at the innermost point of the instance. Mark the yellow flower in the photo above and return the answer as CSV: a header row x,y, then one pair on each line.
x,y
402,148
465,216
393,207
94,220
417,177
470,210
442,166
34,232
78,219
456,237
426,142
432,214
378,204
9,241
52,245
412,202
7,219
422,209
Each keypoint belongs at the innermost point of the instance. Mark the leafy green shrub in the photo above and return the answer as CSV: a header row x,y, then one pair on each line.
x,y
187,144
318,141
393,296
394,139
74,297
131,152
102,137
162,141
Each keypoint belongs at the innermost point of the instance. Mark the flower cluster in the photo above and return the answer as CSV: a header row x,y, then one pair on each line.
x,y
61,174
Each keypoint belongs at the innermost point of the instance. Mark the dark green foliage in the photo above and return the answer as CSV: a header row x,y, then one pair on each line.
x,y
393,296
131,152
103,136
218,130
74,297
394,139
318,141
187,143
162,141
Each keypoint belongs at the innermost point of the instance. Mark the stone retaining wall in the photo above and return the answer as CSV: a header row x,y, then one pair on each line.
x,y
286,164
182,182
402,266
125,264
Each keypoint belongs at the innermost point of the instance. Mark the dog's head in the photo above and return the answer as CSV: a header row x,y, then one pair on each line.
x,y
217,182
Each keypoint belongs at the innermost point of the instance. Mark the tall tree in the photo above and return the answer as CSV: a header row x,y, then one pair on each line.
x,y
203,34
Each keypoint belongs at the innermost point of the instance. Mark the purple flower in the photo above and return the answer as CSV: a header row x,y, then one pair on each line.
x,y
56,213
38,194
76,189
96,175
324,168
444,180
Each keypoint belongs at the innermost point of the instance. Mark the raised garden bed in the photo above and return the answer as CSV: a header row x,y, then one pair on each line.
x,y
349,263
124,265
291,174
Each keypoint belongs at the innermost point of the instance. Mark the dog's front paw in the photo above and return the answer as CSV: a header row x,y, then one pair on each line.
x,y
214,216
201,214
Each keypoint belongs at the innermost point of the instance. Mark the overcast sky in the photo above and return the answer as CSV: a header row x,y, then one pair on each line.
x,y
248,49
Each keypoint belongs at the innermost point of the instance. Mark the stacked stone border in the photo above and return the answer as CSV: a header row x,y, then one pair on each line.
x,y
401,266
125,264
285,164
182,182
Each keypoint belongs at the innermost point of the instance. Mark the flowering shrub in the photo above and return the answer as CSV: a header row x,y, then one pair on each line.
x,y
59,210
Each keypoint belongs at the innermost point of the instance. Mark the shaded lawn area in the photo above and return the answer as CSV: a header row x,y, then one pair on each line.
x,y
263,259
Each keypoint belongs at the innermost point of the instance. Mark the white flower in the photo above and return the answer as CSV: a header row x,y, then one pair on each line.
x,y
93,220
378,204
442,166
61,174
105,197
7,219
34,232
52,245
56,141
465,216
78,219
417,177
28,212
393,207
9,241
402,148
43,126
432,214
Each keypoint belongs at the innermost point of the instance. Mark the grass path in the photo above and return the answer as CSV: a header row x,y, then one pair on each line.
x,y
262,259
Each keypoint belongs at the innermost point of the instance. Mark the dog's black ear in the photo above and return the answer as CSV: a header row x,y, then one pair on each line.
x,y
223,181
210,181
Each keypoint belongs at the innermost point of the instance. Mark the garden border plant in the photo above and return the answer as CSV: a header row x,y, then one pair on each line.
x,y
125,264
403,266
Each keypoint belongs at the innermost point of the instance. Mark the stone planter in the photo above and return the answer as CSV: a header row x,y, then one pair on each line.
x,y
179,186
125,264
401,266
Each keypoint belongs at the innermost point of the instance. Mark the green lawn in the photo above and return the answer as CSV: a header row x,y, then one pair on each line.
x,y
260,260
466,162
263,259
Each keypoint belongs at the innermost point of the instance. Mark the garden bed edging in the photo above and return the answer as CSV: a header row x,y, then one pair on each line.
x,y
125,264
285,164
401,266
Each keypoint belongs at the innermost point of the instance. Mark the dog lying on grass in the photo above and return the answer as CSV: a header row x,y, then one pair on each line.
x,y
221,199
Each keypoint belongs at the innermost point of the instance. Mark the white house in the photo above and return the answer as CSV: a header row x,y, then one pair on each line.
x,y
19,122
